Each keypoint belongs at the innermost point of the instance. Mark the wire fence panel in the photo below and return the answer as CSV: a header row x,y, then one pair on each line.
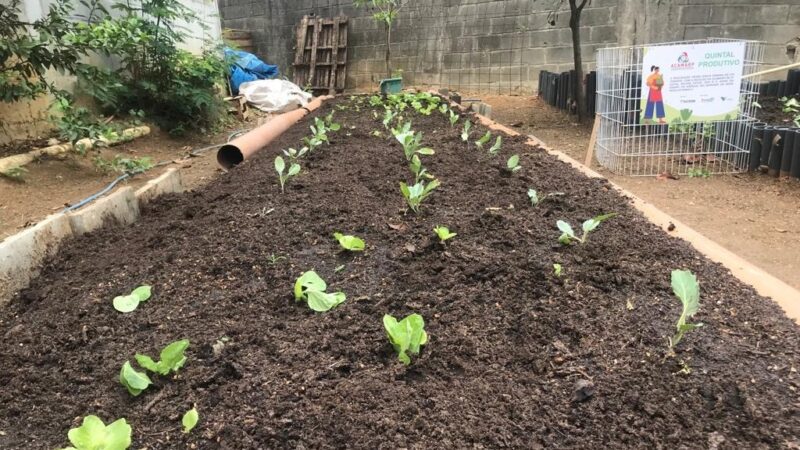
x,y
626,146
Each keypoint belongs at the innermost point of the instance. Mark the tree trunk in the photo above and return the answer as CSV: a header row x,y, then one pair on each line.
x,y
388,50
575,26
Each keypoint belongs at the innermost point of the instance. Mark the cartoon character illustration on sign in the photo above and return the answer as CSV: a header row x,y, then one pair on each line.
x,y
655,100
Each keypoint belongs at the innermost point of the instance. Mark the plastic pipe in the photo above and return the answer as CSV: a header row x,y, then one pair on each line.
x,y
795,170
248,144
766,145
755,147
776,152
788,149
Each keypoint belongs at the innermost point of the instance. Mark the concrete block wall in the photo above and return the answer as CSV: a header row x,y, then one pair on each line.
x,y
500,45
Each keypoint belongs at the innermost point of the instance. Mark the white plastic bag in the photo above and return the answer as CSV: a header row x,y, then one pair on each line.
x,y
274,95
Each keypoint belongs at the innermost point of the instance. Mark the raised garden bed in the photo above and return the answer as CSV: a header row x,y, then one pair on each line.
x,y
509,341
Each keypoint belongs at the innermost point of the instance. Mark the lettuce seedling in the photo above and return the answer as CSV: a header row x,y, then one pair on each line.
x,y
294,154
443,233
172,358
482,141
311,287
375,101
417,193
406,336
568,235
513,164
419,171
93,434
443,108
330,124
557,269
453,117
280,166
411,142
687,289
465,132
388,116
128,303
135,382
189,420
348,242
495,149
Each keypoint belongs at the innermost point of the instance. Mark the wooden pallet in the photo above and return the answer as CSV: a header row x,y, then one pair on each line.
x,y
320,60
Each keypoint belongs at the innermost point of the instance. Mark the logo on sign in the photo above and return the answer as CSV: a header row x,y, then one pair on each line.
x,y
683,63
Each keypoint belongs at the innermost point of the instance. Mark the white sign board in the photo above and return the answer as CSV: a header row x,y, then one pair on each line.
x,y
691,83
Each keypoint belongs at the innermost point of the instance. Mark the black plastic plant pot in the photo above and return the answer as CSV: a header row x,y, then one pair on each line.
x,y
781,88
772,88
795,169
793,82
762,88
755,147
766,145
788,151
776,152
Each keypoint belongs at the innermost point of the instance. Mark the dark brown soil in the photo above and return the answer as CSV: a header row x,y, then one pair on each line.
x,y
23,146
771,112
511,345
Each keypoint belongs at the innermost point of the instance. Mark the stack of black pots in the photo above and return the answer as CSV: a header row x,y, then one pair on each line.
x,y
776,149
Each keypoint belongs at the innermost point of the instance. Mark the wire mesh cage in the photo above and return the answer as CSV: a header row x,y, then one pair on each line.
x,y
627,145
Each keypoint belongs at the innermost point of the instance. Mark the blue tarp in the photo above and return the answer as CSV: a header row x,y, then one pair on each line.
x,y
247,67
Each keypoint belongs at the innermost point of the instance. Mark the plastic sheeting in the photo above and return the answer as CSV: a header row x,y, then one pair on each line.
x,y
274,95
247,67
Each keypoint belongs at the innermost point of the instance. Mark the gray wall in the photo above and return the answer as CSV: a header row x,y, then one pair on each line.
x,y
500,45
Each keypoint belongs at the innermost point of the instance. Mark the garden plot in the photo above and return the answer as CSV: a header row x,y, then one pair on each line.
x,y
531,338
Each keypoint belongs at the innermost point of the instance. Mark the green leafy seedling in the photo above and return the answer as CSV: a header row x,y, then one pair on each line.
x,y
172,358
189,420
280,166
568,234
93,434
406,336
513,164
453,118
465,132
443,233
294,154
330,124
498,143
687,289
535,199
443,108
135,382
419,171
411,142
311,287
557,270
348,242
129,303
417,193
482,141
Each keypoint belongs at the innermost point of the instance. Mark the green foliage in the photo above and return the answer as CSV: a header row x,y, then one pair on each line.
x,y
190,419
419,171
123,164
406,336
135,382
128,303
681,124
280,167
311,287
411,142
513,164
791,106
568,235
465,132
443,233
15,174
375,100
495,149
388,116
557,269
348,242
172,358
294,154
93,434
482,141
687,289
76,122
453,118
417,193
698,172
535,199
330,124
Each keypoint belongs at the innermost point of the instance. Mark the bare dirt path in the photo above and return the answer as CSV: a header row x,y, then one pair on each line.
x,y
753,215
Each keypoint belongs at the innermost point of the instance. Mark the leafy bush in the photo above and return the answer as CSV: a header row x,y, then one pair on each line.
x,y
93,434
123,164
406,336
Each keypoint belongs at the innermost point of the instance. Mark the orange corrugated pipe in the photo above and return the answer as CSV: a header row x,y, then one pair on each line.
x,y
248,144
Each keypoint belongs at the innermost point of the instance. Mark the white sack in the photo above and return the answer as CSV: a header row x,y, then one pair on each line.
x,y
274,95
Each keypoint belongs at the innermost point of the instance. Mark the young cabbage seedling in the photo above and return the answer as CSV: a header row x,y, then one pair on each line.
x,y
406,336
557,269
280,166
568,235
443,233
128,303
686,288
495,149
311,288
535,199
411,142
135,382
388,116
330,124
172,358
348,242
453,117
419,171
294,154
465,132
482,141
513,164
417,193
93,434
189,420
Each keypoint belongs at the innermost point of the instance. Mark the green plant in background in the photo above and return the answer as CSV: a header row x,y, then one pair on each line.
x,y
75,123
385,12
443,233
135,382
483,140
280,167
513,164
453,118
417,193
348,242
330,124
443,108
375,100
123,164
681,124
465,131
15,174
687,289
498,144
535,199
388,116
93,434
311,288
189,420
406,336
791,106
698,172
128,303
568,235
558,270
411,142
172,358
294,154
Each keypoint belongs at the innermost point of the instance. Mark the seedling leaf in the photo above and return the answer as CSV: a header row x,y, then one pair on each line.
x,y
513,163
189,420
322,301
135,382
142,293
308,281
687,289
129,303
93,434
443,233
348,242
172,358
406,336
497,144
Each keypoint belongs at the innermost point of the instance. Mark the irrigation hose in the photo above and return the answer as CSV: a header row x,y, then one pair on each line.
x,y
131,174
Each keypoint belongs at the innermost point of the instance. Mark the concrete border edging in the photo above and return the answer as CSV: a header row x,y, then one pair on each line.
x,y
787,297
